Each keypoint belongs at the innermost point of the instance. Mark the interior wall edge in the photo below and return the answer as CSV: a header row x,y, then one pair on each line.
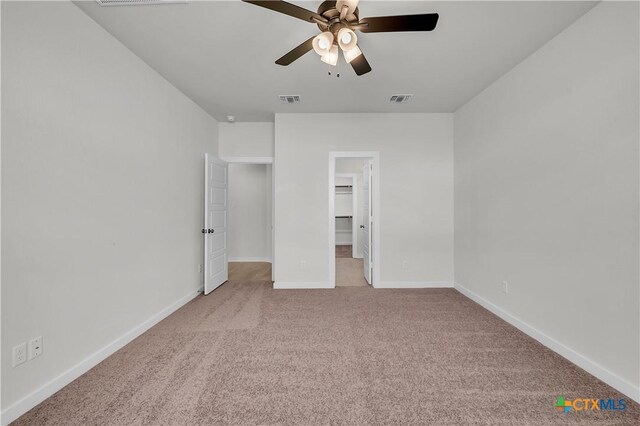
x,y
510,70
161,75
34,398
570,354
413,284
103,189
286,285
548,138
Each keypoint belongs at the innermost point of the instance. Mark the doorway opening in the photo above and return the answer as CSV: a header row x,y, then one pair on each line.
x,y
348,212
250,235
353,231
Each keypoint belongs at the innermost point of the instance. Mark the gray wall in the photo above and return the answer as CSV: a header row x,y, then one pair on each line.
x,y
249,237
416,200
246,140
546,190
102,189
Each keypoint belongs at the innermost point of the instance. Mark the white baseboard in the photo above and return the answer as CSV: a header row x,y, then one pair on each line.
x,y
580,360
344,243
279,285
249,259
20,407
413,284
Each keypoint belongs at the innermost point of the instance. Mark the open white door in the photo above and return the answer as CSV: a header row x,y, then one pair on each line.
x,y
367,221
216,269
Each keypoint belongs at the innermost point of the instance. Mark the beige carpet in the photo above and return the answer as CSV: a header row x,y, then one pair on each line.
x,y
344,251
350,272
247,354
249,271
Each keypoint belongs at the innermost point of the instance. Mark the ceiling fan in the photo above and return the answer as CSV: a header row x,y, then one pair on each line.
x,y
338,21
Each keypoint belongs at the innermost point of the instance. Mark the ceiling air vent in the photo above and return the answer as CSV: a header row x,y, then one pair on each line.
x,y
400,99
289,99
136,2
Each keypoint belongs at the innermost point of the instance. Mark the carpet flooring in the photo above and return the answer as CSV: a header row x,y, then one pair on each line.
x,y
350,272
247,354
344,251
249,271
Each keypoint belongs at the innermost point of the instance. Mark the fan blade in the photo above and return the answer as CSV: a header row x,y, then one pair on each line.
x,y
296,53
360,65
386,24
287,9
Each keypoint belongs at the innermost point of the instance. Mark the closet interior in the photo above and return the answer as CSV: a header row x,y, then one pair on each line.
x,y
344,211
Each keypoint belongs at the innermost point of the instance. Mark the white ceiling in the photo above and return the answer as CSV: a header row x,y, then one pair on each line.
x,y
221,53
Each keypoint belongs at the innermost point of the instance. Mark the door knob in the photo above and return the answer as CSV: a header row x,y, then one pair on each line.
x,y
211,231
204,231
361,226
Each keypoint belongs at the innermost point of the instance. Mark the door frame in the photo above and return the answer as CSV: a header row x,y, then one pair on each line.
x,y
263,160
374,156
354,207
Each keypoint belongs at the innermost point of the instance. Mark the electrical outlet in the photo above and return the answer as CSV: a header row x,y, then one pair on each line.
x,y
200,268
505,287
35,347
303,264
19,354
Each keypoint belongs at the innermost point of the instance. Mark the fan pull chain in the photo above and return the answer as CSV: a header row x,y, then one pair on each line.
x,y
337,72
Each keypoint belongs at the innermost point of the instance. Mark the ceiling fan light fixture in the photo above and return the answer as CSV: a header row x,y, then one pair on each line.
x,y
338,19
331,58
350,55
322,43
351,4
347,39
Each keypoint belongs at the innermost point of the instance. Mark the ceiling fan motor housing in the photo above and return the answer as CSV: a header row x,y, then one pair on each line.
x,y
328,11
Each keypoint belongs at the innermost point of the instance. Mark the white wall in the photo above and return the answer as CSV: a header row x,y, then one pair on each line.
x,y
269,209
0,217
546,192
102,188
416,177
246,140
249,212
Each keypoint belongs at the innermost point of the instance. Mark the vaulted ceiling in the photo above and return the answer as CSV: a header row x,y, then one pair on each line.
x,y
221,53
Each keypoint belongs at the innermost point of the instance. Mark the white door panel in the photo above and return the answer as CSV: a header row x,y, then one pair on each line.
x,y
217,242
216,263
218,219
216,269
218,197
